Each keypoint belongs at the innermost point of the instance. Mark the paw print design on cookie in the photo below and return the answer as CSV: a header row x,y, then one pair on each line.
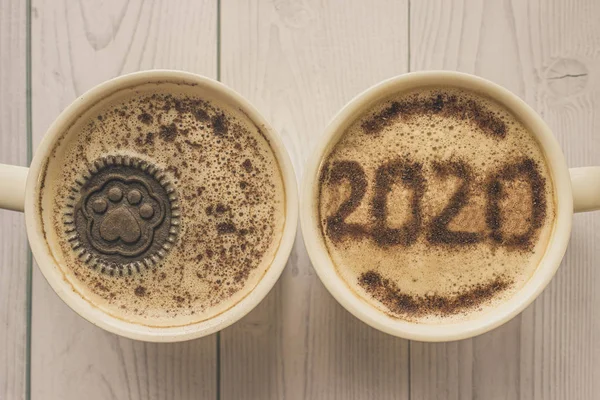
x,y
123,215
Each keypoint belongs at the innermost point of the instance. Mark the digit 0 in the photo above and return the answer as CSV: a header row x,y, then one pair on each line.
x,y
410,175
526,170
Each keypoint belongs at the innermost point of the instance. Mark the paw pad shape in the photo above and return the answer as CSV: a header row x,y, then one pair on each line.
x,y
126,215
123,215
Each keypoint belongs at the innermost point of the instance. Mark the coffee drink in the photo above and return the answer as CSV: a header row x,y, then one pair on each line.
x,y
436,205
162,206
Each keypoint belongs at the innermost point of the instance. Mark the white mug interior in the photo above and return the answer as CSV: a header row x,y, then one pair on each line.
x,y
504,311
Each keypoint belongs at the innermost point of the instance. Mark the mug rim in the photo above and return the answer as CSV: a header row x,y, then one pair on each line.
x,y
496,316
52,272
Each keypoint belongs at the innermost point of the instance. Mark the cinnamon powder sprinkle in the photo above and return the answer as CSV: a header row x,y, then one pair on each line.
x,y
403,304
442,104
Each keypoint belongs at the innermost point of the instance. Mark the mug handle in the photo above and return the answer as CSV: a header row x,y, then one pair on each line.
x,y
12,187
585,182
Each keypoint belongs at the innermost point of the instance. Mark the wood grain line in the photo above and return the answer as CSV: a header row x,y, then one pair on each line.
x,y
13,240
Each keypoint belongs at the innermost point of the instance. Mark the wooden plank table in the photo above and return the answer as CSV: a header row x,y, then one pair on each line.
x,y
299,62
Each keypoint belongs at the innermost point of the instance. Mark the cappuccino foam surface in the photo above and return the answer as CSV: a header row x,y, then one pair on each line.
x,y
436,205
229,190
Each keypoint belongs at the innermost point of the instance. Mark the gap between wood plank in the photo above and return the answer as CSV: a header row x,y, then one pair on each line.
x,y
218,341
29,139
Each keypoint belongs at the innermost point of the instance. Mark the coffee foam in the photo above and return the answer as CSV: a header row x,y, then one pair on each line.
x,y
229,192
436,205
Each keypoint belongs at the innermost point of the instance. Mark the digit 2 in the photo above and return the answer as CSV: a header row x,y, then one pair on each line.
x,y
438,229
335,225
411,176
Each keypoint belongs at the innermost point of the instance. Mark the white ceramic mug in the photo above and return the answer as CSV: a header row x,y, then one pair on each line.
x,y
19,189
577,190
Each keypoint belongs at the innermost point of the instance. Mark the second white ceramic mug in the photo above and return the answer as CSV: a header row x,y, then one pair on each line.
x,y
19,191
577,190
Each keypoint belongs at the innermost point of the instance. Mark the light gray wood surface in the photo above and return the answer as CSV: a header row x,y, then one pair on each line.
x,y
14,265
299,61
76,45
